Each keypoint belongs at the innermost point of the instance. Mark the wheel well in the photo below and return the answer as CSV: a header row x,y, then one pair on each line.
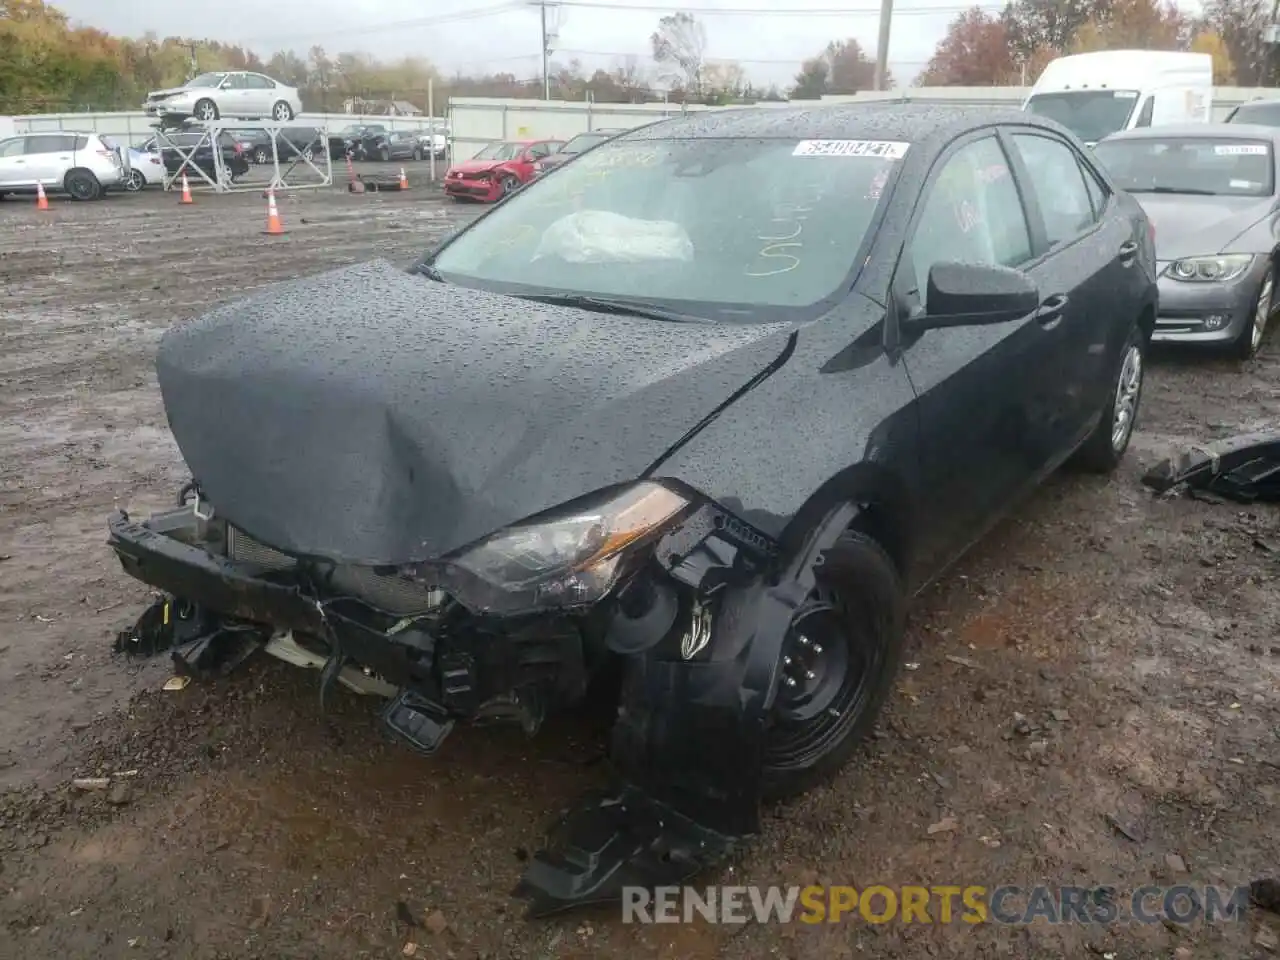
x,y
876,520
1147,321
74,170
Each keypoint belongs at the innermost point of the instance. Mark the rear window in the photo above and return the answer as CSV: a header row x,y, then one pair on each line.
x,y
1266,113
1217,166
82,143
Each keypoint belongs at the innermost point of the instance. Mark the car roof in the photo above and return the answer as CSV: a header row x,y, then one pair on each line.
x,y
875,120
1206,131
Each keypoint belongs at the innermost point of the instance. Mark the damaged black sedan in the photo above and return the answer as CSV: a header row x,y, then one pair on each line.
x,y
684,423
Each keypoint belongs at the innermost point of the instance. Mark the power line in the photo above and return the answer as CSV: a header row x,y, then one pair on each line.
x,y
480,13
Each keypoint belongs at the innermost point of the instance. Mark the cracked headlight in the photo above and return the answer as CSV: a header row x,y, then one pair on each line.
x,y
1209,269
568,557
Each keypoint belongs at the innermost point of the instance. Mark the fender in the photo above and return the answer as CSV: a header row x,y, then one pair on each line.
x,y
688,745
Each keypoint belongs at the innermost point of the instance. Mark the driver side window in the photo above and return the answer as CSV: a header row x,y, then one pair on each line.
x,y
972,214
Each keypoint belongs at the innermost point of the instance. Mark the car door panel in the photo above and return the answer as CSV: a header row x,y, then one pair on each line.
x,y
49,156
982,399
13,163
1083,262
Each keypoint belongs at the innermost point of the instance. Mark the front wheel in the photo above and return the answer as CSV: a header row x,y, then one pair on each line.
x,y
417,154
1106,446
136,180
839,660
384,154
206,110
508,184
1250,339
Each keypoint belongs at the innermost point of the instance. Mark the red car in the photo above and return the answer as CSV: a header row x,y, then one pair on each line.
x,y
497,170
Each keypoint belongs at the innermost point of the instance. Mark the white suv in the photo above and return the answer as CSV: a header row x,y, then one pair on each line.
x,y
83,165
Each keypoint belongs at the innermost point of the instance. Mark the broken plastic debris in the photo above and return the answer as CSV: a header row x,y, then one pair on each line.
x,y
945,825
176,683
409,950
91,783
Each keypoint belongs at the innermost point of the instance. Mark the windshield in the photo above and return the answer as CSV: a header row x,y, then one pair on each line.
x,y
583,141
1267,113
1219,166
738,230
206,80
1089,114
498,151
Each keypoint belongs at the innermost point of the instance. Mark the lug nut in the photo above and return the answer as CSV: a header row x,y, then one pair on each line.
x,y
804,641
791,681
786,661
817,648
809,675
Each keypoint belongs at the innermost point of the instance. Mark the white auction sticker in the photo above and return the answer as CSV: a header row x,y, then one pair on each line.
x,y
1240,150
883,149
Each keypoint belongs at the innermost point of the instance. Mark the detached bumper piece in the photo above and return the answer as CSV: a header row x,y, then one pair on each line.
x,y
606,843
1244,469
200,643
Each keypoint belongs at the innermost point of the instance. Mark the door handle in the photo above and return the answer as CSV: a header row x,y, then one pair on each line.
x,y
1050,312
1128,253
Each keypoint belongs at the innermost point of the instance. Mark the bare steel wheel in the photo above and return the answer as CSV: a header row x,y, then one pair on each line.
x,y
838,663
281,112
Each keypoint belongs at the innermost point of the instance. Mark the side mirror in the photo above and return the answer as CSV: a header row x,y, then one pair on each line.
x,y
972,294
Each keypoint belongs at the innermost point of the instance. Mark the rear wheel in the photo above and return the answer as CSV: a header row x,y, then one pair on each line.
x,y
839,660
281,112
1106,446
205,110
82,185
261,155
1250,339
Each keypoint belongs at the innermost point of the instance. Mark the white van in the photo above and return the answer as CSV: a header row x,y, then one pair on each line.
x,y
1097,94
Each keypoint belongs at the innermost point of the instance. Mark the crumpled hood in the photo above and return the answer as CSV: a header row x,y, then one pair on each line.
x,y
369,415
474,166
1190,226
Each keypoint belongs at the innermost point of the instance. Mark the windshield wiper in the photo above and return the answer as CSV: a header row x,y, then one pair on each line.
x,y
630,308
1190,191
427,270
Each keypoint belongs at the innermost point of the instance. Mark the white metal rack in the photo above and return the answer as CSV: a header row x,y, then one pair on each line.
x,y
301,169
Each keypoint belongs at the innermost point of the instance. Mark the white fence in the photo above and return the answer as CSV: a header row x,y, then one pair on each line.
x,y
132,128
476,121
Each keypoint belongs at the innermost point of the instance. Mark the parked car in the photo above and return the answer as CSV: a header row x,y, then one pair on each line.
x,y
579,144
1265,113
685,425
497,170
354,140
82,165
237,94
191,149
393,145
291,143
435,140
1211,191
145,169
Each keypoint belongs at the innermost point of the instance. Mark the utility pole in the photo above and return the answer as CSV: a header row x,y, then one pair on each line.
x,y
546,52
195,66
882,47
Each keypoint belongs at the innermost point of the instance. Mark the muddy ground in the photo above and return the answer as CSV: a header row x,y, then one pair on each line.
x,y
1105,658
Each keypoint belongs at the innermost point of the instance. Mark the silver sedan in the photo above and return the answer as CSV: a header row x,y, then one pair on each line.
x,y
236,94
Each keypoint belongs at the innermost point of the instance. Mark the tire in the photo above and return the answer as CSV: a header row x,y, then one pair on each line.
x,y
508,183
82,185
1106,446
856,614
136,180
281,112
1246,345
261,155
205,110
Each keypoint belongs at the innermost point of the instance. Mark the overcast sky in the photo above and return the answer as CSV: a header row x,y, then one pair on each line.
x,y
493,35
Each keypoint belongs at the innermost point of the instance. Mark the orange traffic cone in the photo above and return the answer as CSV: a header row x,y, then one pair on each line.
x,y
404,181
42,202
274,227
186,190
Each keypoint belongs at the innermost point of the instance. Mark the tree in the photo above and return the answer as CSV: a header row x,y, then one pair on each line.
x,y
1038,25
724,82
679,44
1133,25
1240,24
1224,71
841,68
975,52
